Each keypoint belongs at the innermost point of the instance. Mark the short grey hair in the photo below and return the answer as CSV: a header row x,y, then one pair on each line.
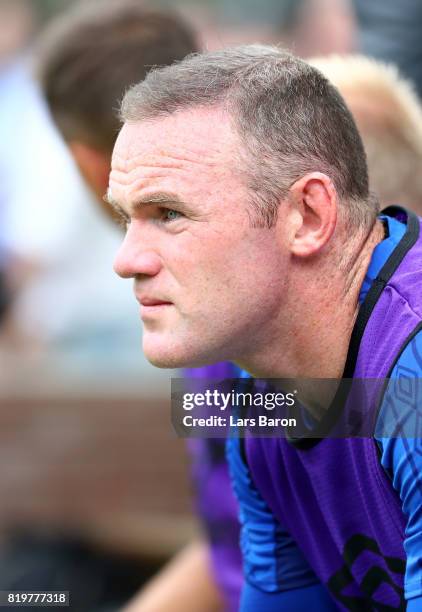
x,y
288,116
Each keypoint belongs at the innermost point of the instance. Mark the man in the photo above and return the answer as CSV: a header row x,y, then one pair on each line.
x,y
89,46
88,57
246,164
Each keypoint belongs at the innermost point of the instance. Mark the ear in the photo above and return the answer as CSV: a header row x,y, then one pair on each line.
x,y
94,165
313,204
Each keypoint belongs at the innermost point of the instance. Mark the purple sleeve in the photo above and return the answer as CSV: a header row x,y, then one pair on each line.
x,y
218,510
215,501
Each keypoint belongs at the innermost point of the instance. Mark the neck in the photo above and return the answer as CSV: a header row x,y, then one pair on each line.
x,y
312,340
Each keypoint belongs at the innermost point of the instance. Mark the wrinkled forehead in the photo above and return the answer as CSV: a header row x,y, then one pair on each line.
x,y
204,134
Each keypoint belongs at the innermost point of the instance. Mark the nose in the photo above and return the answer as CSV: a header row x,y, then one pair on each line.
x,y
134,259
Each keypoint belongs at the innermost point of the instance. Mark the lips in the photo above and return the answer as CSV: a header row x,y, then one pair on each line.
x,y
153,302
151,307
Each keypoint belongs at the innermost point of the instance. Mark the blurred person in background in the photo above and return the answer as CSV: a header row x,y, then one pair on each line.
x,y
46,273
87,58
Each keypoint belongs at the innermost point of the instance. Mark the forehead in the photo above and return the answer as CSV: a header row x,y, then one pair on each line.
x,y
200,135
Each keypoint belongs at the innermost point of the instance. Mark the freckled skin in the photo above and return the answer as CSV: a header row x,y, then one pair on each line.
x,y
224,278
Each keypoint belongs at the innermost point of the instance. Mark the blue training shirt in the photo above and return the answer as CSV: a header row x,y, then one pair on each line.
x,y
271,556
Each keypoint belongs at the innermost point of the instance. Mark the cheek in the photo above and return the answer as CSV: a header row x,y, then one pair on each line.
x,y
222,269
199,258
241,285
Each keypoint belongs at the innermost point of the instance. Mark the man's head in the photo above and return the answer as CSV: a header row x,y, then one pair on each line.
x,y
231,170
388,114
89,57
284,112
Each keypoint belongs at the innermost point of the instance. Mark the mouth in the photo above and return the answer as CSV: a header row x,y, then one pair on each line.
x,y
151,305
151,302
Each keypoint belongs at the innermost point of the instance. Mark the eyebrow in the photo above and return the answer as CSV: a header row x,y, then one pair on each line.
x,y
159,197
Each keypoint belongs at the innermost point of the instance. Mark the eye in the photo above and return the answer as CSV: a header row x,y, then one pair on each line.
x,y
170,215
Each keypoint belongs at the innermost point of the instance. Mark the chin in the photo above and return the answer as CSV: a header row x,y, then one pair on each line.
x,y
164,357
168,357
